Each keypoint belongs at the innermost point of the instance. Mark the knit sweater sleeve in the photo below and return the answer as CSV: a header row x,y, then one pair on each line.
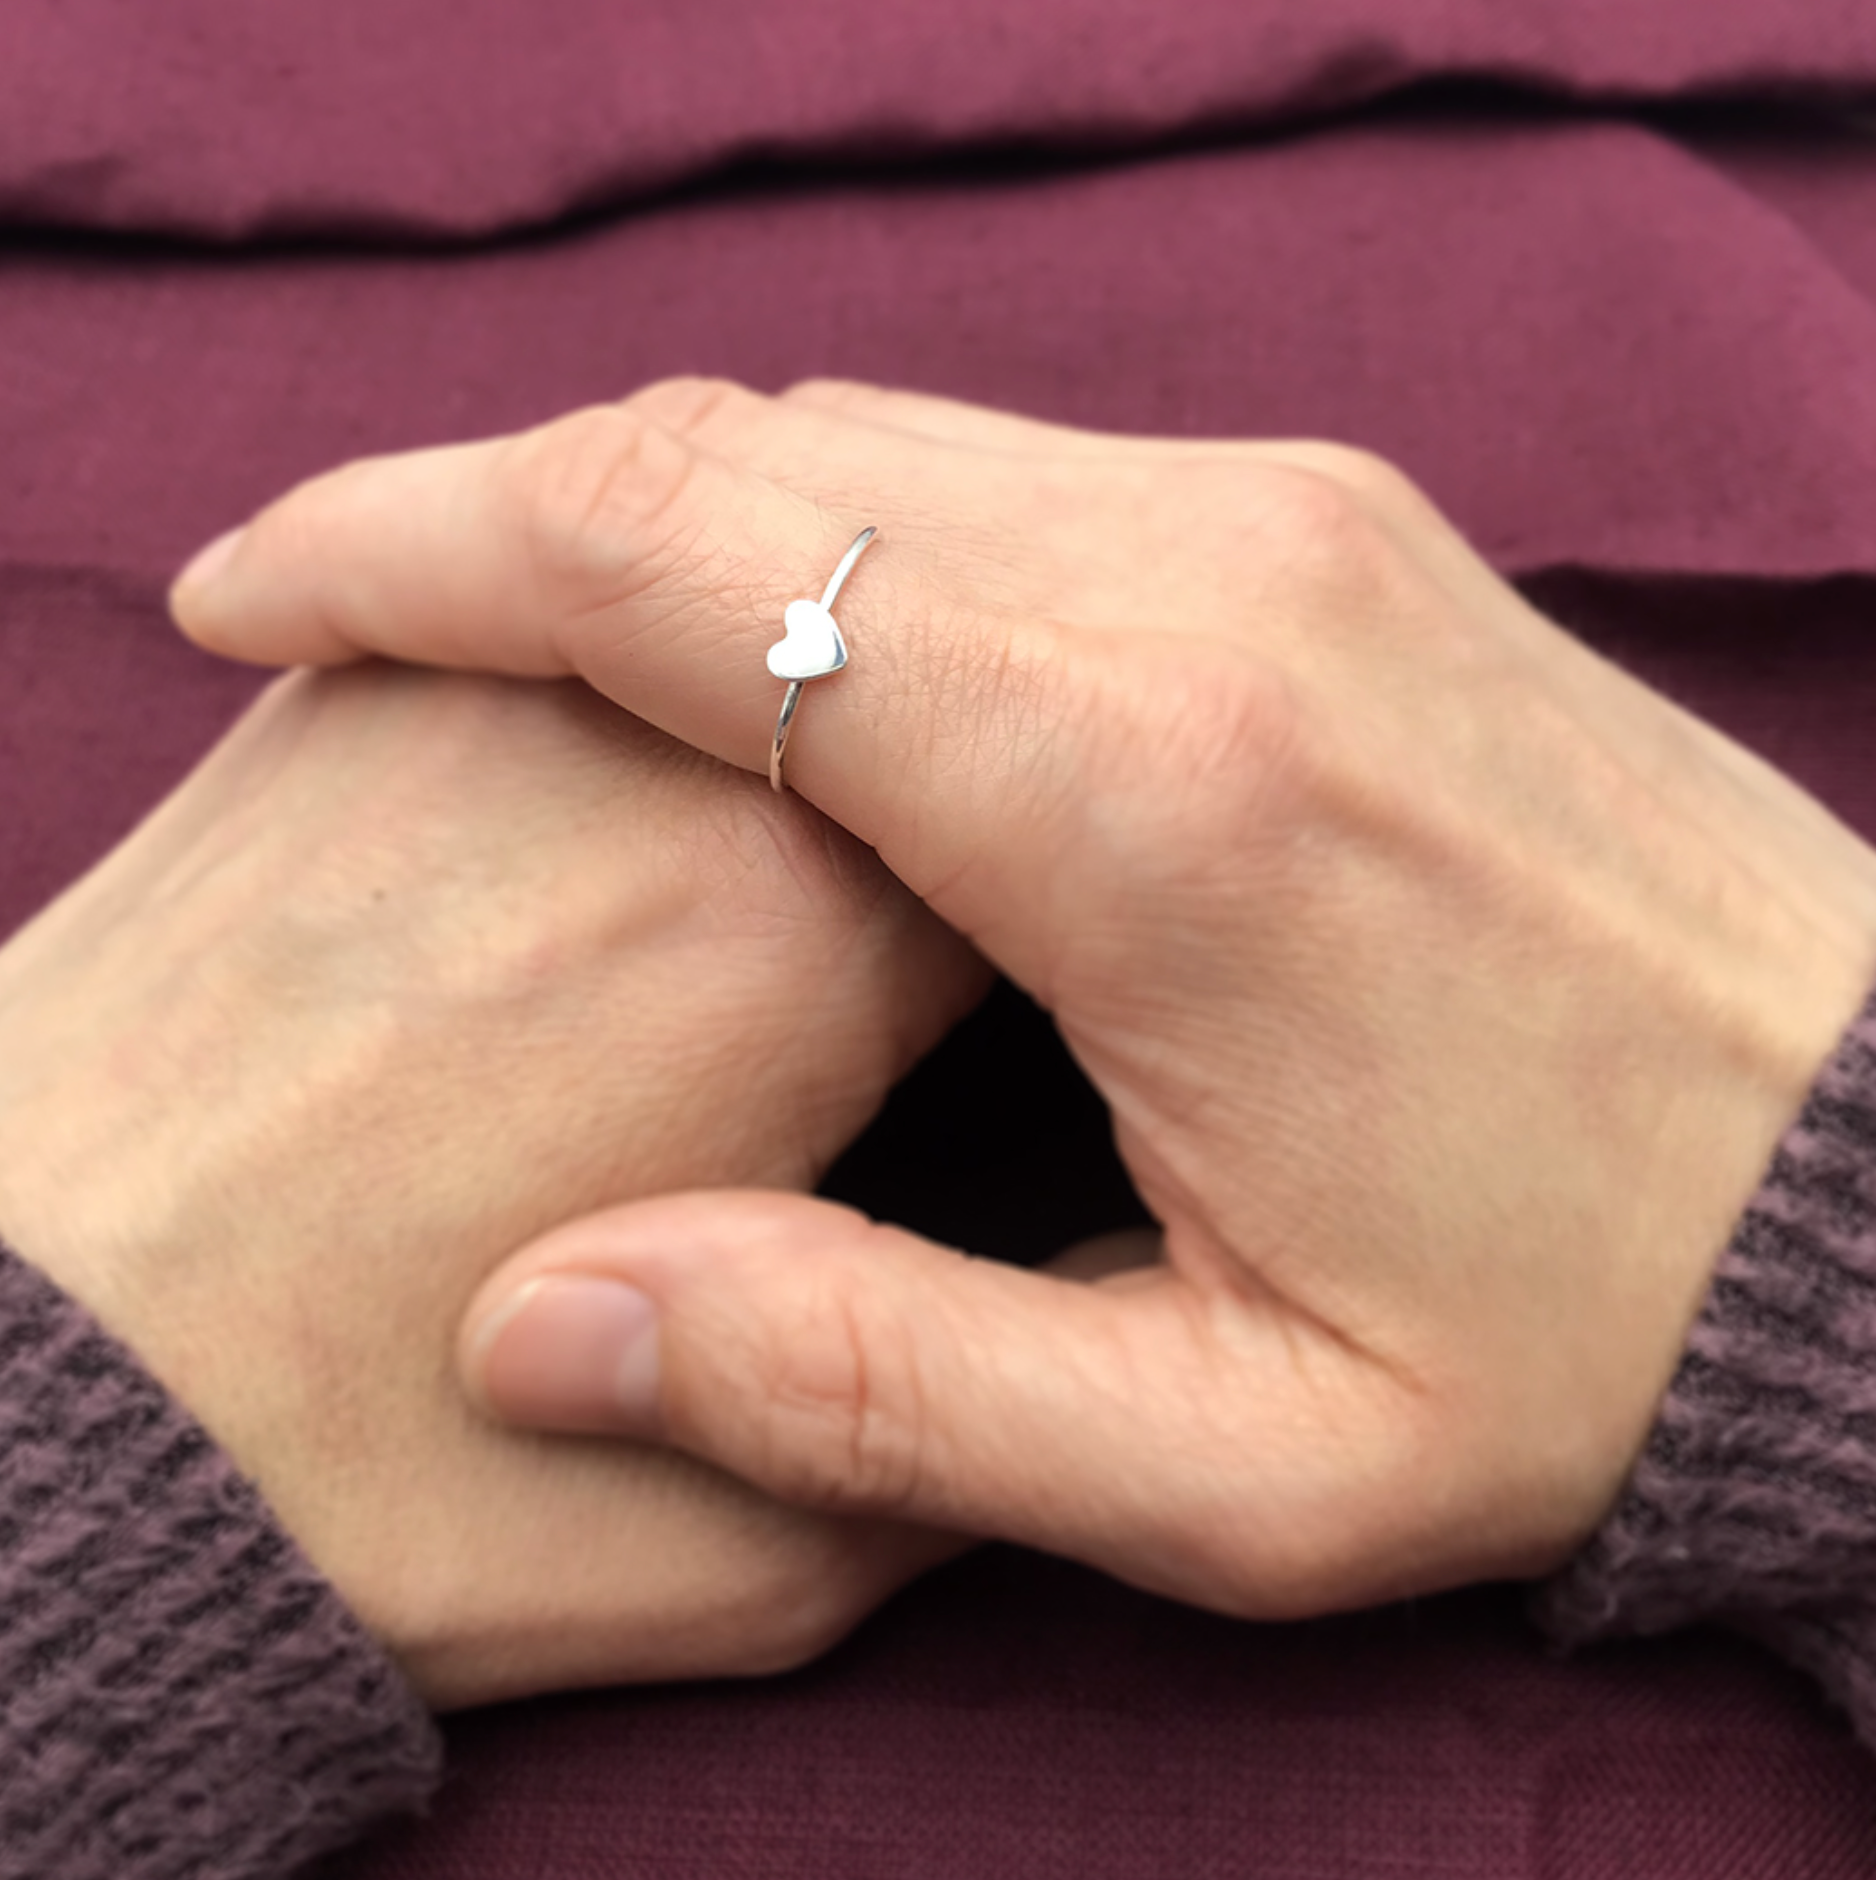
x,y
181,1694
1754,1502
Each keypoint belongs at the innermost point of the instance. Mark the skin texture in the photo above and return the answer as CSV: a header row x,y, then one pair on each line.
x,y
1449,989
411,967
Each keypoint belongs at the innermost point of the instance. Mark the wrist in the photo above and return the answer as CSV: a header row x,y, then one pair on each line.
x,y
182,1690
1754,1497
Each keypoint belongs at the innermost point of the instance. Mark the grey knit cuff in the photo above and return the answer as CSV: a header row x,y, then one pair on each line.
x,y
1754,1502
181,1694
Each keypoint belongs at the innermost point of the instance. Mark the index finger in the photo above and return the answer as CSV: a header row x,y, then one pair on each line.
x,y
653,547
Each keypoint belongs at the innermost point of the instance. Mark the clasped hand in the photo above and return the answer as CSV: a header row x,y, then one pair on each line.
x,y
1449,989
412,965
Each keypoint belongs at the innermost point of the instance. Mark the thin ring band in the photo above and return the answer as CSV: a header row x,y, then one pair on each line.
x,y
791,699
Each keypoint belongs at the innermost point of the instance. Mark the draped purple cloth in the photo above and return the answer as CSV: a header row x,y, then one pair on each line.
x,y
222,119
1611,297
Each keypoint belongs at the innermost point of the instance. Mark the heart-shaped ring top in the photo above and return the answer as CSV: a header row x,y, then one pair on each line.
x,y
811,646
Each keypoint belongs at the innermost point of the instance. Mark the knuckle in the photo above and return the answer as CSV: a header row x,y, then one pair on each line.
x,y
1330,567
697,406
844,397
1356,560
1197,759
847,1428
1364,474
1320,521
797,1614
1372,490
596,494
1206,740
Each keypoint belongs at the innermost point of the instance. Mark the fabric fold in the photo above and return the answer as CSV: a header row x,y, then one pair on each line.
x,y
454,119
1594,345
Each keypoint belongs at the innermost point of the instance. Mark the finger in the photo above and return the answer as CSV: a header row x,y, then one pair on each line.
x,y
622,545
847,1366
604,545
481,556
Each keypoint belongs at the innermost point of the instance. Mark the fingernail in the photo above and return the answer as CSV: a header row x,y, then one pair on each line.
x,y
207,563
574,1352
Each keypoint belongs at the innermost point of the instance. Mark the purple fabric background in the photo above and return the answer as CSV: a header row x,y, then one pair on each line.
x,y
1017,1718
1639,366
224,118
1593,343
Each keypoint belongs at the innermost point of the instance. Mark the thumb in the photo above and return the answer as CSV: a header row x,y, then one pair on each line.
x,y
849,1366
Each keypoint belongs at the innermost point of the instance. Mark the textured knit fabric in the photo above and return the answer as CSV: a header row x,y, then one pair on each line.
x,y
1754,1502
181,1696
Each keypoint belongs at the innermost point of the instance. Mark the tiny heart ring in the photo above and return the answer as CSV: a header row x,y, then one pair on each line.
x,y
810,648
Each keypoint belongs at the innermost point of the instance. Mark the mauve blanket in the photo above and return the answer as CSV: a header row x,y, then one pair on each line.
x,y
1603,276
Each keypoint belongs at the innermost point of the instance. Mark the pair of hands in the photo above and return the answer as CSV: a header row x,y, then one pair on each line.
x,y
1449,991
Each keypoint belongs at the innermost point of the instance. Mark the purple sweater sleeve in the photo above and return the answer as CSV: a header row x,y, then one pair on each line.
x,y
1754,1502
181,1694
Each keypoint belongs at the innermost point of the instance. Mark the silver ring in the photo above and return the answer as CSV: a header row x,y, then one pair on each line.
x,y
810,648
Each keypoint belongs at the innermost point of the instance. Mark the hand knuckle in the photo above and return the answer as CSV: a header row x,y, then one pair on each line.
x,y
1328,570
849,1422
796,1615
697,406
597,494
1205,737
1317,520
1365,474
848,397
